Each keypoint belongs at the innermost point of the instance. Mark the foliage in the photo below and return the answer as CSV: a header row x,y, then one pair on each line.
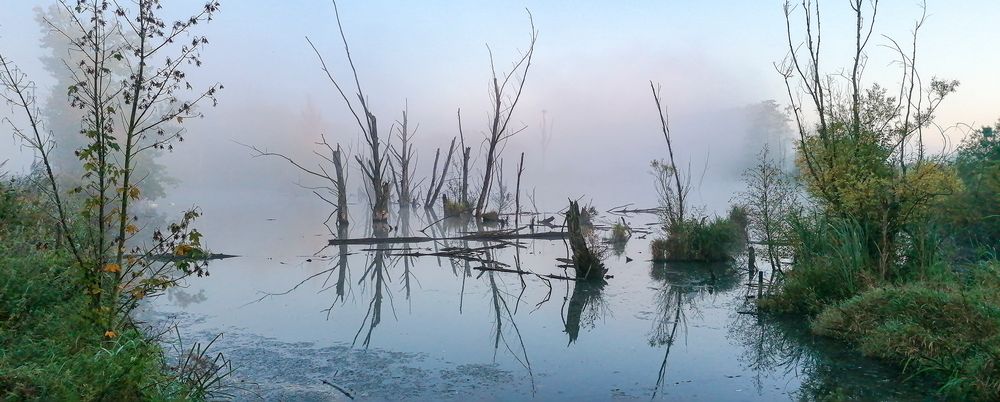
x,y
973,215
127,90
770,201
829,264
52,348
946,329
716,239
860,183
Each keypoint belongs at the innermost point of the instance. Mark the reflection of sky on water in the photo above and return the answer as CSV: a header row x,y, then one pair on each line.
x,y
570,341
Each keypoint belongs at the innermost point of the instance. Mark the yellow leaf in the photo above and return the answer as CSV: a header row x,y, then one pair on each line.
x,y
182,250
133,193
112,267
131,229
110,334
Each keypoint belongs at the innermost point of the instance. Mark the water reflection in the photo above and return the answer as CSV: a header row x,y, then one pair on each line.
x,y
683,286
774,348
586,305
504,289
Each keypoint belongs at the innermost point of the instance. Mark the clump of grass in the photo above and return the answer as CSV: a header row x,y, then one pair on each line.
x,y
491,217
707,240
830,266
455,207
947,330
51,348
619,233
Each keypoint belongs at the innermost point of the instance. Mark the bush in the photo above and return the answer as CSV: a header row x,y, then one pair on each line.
x,y
830,260
619,233
947,330
973,214
717,239
51,348
455,208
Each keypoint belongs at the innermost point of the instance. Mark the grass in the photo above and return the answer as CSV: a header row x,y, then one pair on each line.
x,y
456,207
718,239
935,319
619,233
50,346
947,330
829,267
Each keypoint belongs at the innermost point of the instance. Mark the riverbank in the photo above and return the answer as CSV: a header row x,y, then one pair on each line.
x,y
51,348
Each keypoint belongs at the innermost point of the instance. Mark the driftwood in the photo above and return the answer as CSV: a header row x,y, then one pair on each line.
x,y
523,272
480,236
172,257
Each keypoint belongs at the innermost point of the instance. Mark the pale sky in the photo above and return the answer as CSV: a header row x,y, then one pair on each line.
x,y
590,75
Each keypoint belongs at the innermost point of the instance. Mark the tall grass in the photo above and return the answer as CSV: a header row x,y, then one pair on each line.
x,y
947,330
830,260
707,240
51,348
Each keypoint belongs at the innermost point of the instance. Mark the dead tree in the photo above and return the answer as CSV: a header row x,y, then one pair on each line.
x,y
503,102
337,184
375,163
435,188
404,159
466,154
587,262
517,193
673,199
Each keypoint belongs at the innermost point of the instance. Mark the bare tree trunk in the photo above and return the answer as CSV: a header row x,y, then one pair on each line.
x,y
665,127
517,194
338,165
431,197
466,154
430,190
404,158
375,164
503,110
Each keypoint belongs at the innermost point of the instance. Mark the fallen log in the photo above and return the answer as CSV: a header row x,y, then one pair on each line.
x,y
490,236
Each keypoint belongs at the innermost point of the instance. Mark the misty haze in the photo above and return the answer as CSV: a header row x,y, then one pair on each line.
x,y
376,200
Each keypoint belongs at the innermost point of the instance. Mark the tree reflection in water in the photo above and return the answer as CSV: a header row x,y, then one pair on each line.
x,y
684,286
586,305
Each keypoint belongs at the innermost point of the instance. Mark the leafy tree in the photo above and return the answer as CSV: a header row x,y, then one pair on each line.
x,y
771,201
865,158
975,212
129,85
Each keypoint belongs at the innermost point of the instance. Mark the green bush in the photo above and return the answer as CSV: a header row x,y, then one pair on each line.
x,y
619,233
973,214
717,239
456,207
948,330
830,260
50,346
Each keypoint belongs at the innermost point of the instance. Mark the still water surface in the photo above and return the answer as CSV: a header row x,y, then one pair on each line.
x,y
298,315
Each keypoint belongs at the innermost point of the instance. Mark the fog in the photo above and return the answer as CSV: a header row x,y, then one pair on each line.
x,y
589,80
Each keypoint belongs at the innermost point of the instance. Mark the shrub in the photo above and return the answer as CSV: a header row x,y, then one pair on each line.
x,y
619,233
456,207
829,261
944,329
717,239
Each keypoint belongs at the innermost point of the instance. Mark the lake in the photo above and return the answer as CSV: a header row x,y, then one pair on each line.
x,y
303,320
